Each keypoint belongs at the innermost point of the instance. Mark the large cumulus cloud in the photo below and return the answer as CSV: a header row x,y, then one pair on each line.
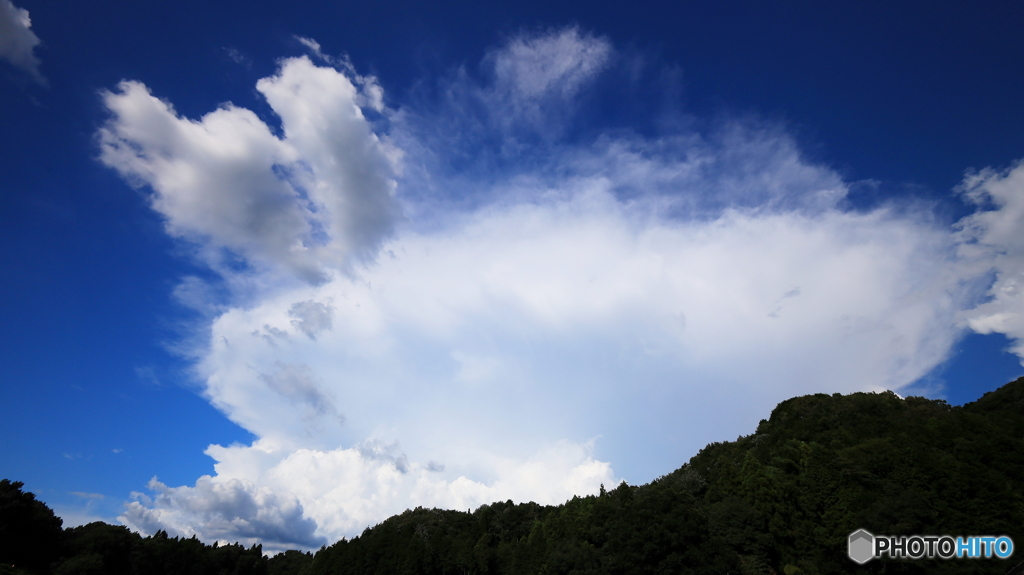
x,y
506,310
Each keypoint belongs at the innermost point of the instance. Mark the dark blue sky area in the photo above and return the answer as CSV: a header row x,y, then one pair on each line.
x,y
909,91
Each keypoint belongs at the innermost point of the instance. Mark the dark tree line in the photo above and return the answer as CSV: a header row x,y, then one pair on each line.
x,y
32,542
780,501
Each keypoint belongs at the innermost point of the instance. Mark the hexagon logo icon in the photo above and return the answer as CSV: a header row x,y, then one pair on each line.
x,y
860,547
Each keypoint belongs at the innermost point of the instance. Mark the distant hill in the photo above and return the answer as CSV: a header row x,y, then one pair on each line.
x,y
780,501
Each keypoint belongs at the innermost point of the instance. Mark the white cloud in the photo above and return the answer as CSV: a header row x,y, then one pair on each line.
x,y
540,312
231,510
461,133
993,237
348,169
17,41
600,310
319,197
341,491
536,76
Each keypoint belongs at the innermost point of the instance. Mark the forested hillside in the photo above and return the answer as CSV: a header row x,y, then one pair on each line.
x,y
782,500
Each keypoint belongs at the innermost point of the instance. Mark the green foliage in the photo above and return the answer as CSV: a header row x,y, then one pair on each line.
x,y
30,534
782,500
290,562
113,550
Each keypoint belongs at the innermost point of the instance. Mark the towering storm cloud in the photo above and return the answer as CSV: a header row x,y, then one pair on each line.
x,y
464,299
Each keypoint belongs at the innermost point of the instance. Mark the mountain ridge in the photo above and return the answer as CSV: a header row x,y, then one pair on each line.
x,y
782,500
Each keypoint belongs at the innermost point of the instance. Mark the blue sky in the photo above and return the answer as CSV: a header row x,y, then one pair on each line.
x,y
273,273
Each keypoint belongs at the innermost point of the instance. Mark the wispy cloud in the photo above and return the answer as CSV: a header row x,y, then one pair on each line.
x,y
503,310
238,57
17,41
85,495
